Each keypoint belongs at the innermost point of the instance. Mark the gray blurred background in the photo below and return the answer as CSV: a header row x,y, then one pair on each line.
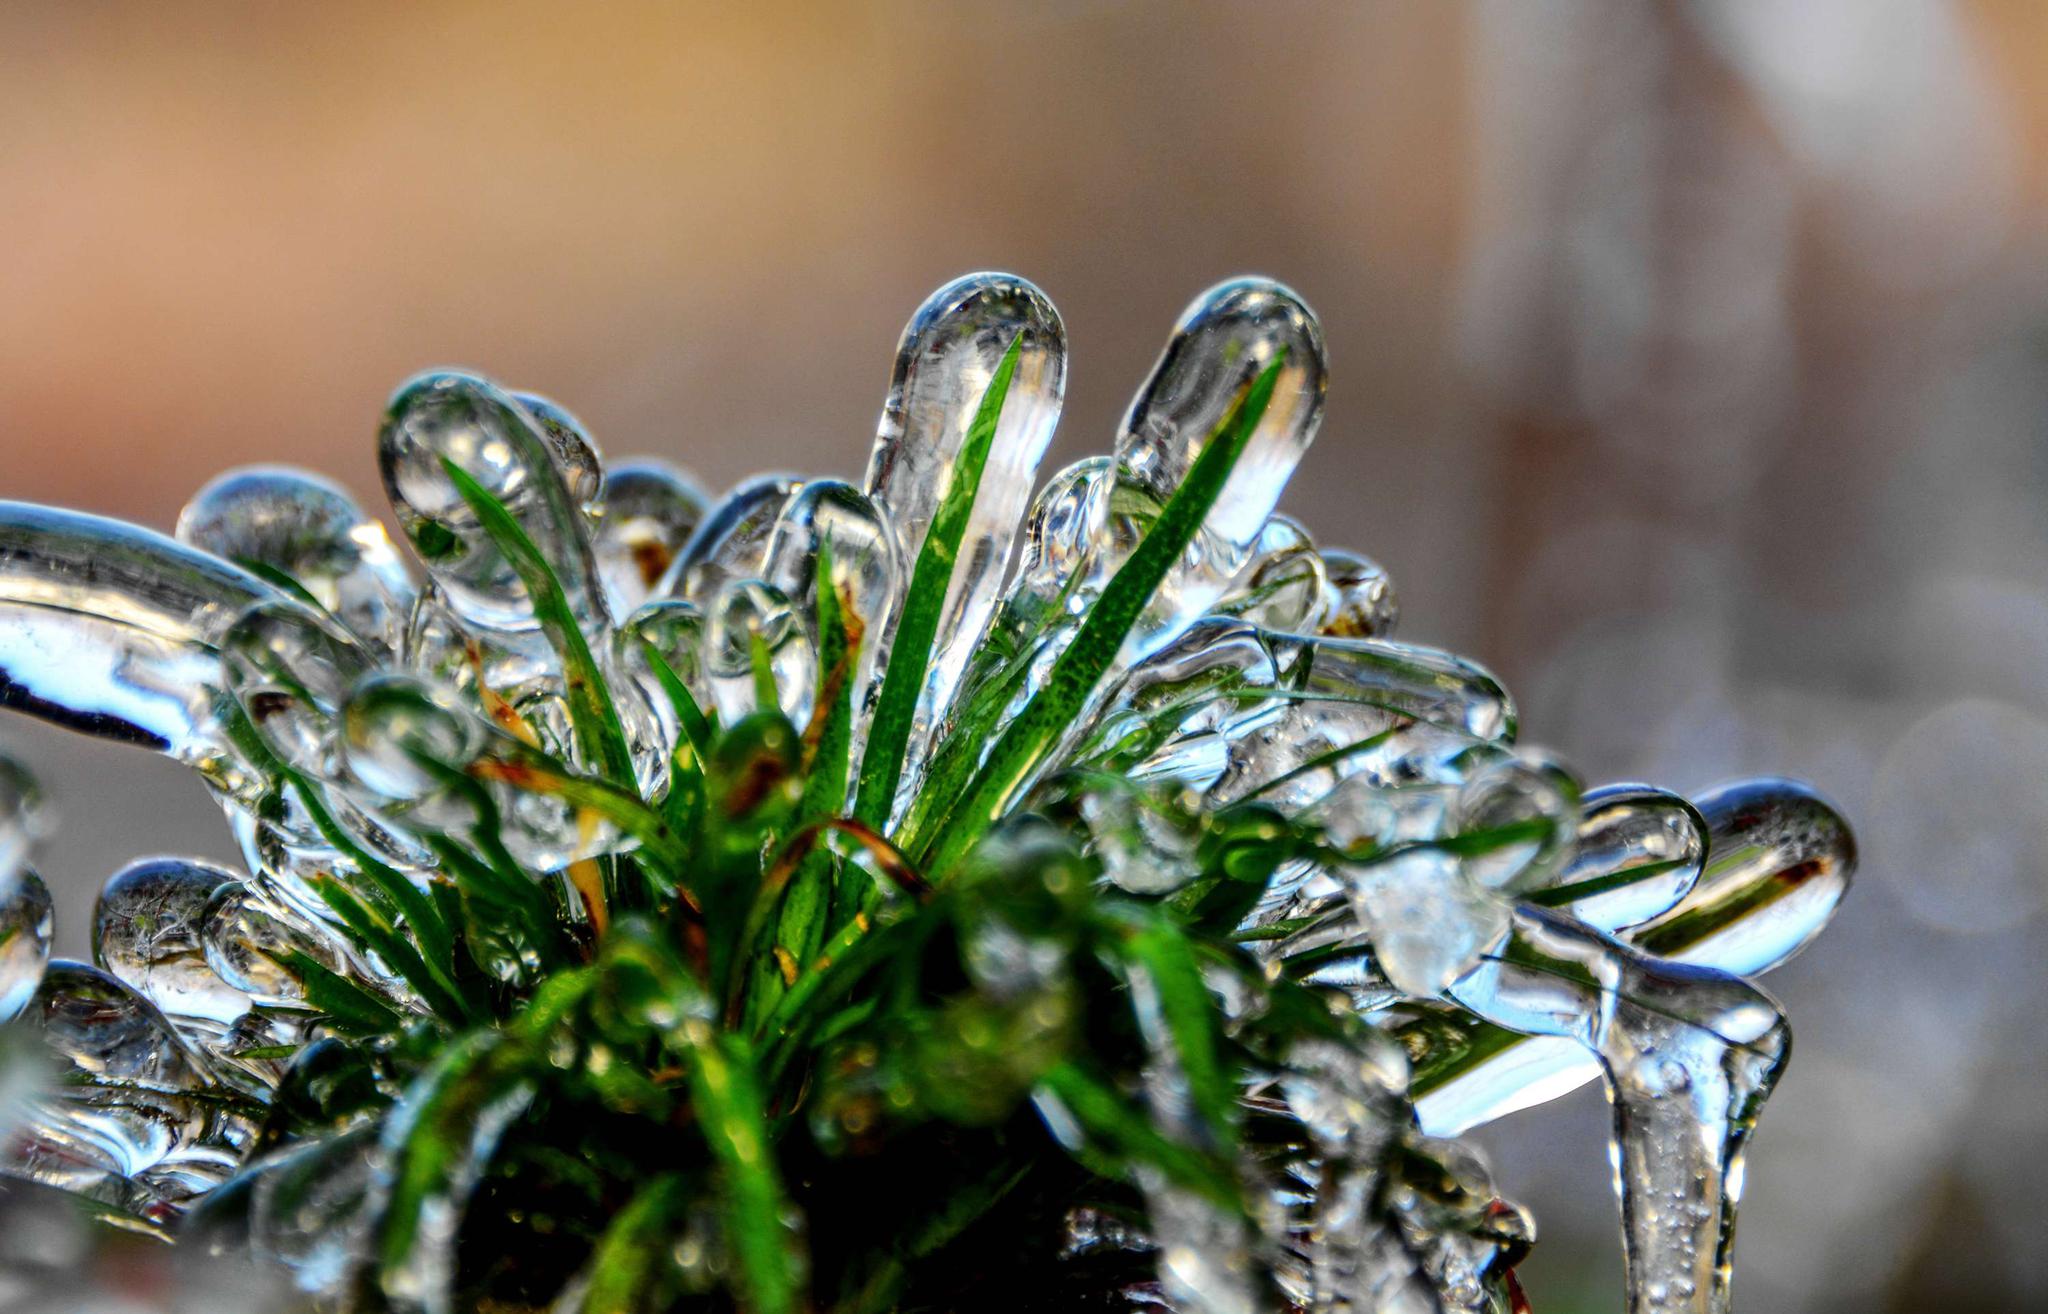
x,y
1690,369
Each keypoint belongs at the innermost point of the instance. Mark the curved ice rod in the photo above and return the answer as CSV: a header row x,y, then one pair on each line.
x,y
1689,1055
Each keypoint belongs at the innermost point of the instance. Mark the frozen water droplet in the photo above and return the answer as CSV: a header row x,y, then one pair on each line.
x,y
471,423
1639,849
244,936
731,542
650,511
308,528
1778,863
747,614
1283,585
1359,600
1224,339
107,628
390,723
1529,806
24,938
146,931
866,574
674,629
949,353
123,1113
290,667
575,455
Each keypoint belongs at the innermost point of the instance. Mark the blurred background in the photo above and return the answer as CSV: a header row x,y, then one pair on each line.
x,y
1690,369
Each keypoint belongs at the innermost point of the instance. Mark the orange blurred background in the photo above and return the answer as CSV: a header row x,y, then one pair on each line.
x,y
1690,364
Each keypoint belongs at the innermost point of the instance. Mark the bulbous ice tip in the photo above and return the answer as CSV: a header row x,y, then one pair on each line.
x,y
1223,341
289,667
466,419
459,419
396,730
575,452
991,308
947,358
145,931
282,516
1779,862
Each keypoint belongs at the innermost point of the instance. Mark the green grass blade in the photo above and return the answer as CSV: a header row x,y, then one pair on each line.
x,y
1558,896
379,934
766,694
682,807
440,1137
881,766
631,1259
729,1108
347,1004
1024,745
807,904
1187,1014
595,719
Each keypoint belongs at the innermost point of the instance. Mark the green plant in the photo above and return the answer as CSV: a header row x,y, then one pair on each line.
x,y
778,905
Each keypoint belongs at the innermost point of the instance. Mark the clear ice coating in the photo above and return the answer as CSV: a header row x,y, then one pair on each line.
x,y
950,352
833,522
1689,1054
146,930
108,628
308,529
575,456
454,419
24,938
1501,934
650,510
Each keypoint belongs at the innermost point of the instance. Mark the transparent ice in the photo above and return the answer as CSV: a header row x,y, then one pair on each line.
x,y
1505,932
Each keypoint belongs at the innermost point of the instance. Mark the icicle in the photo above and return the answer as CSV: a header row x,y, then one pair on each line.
x,y
1689,1053
949,353
1779,860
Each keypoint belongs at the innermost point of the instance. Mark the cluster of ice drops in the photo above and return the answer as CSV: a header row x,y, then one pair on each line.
x,y
375,734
